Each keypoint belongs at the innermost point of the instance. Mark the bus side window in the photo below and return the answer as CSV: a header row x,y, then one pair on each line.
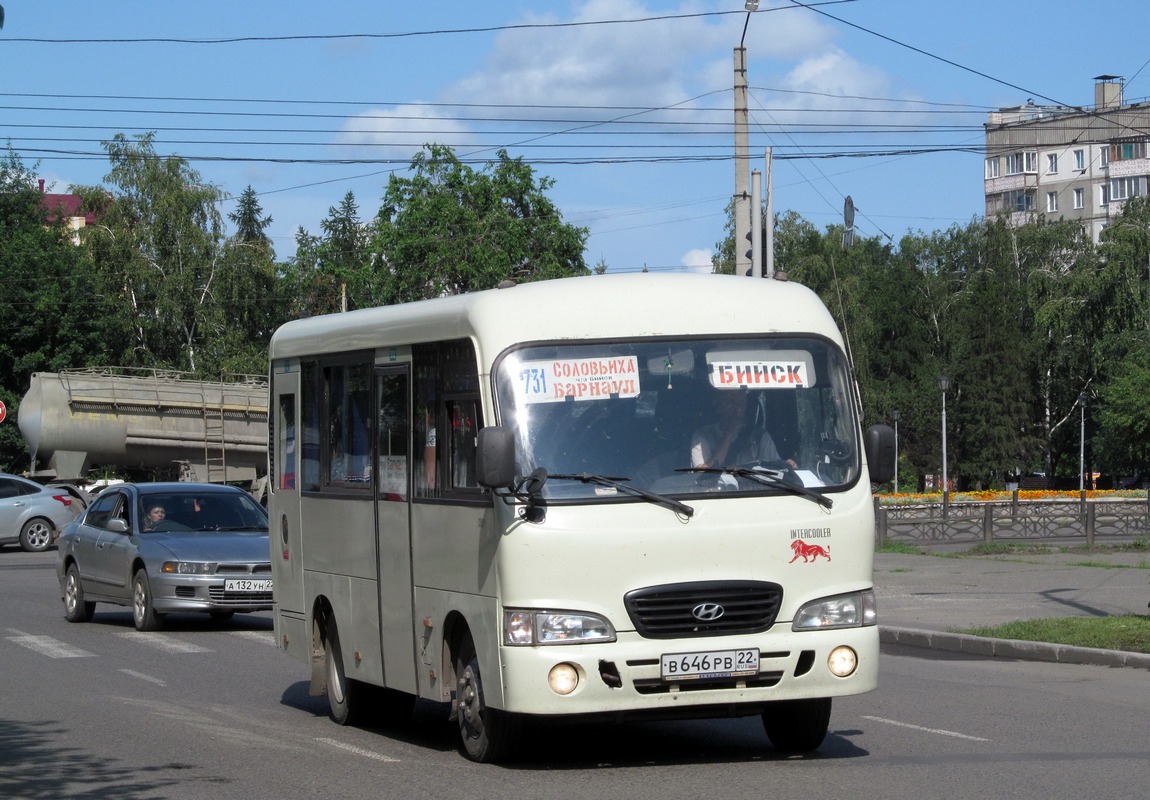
x,y
465,423
447,417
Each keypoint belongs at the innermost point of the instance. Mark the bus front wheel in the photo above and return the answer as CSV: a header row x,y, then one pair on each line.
x,y
485,734
797,726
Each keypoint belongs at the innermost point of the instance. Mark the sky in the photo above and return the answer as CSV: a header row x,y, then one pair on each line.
x,y
625,106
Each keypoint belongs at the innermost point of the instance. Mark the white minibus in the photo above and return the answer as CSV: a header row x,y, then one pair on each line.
x,y
615,497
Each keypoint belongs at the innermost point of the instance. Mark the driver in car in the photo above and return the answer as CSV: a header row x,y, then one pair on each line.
x,y
730,440
154,517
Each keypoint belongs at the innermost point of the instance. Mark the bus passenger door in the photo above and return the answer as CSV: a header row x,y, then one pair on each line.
x,y
284,484
394,466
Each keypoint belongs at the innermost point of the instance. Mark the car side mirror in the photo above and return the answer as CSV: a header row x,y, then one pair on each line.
x,y
880,454
118,525
495,457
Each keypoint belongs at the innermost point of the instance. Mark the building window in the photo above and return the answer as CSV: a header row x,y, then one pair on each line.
x,y
1104,158
1052,163
1018,200
1051,202
1125,188
1103,195
1022,162
1079,159
1080,198
1127,151
992,167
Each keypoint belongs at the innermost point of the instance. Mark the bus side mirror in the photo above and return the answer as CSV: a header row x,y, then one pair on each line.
x,y
880,454
495,457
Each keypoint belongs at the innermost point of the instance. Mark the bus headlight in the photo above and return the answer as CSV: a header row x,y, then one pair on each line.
x,y
563,679
853,610
842,661
532,627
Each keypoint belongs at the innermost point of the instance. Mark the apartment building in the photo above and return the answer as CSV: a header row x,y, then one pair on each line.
x,y
1064,162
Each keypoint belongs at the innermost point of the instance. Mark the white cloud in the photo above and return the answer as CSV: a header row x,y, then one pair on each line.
x,y
399,133
698,260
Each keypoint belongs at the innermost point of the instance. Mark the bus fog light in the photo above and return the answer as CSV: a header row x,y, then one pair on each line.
x,y
563,679
842,661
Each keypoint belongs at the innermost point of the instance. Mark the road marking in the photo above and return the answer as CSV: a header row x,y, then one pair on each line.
x,y
47,646
263,637
939,731
359,751
144,677
163,642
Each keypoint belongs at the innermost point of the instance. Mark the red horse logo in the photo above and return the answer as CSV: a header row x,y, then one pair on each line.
x,y
809,552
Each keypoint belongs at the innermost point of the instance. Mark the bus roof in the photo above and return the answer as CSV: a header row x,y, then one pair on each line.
x,y
590,307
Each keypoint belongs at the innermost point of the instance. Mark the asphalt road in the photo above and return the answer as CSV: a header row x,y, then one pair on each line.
x,y
213,710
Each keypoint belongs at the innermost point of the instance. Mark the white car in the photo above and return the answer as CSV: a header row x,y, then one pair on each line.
x,y
34,515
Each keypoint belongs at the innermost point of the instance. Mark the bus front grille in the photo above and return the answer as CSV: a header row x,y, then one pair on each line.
x,y
710,608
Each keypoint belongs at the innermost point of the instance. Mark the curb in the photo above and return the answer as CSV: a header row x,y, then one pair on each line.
x,y
1011,648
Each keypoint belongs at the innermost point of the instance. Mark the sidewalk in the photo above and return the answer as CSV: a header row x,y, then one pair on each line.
x,y
921,598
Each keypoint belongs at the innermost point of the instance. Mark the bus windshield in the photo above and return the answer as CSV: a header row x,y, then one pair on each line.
x,y
681,417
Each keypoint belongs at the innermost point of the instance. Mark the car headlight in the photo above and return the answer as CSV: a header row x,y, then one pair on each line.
x,y
189,567
532,627
853,610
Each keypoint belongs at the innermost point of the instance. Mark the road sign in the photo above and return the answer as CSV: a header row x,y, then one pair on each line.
x,y
3,411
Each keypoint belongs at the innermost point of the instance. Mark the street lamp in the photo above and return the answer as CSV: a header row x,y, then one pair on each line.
x,y
1082,444
894,415
943,385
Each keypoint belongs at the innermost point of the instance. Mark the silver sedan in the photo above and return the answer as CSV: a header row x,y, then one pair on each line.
x,y
32,514
167,547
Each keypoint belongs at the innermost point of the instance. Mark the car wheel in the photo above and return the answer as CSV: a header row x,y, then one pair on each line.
x,y
143,612
36,535
797,726
485,734
76,608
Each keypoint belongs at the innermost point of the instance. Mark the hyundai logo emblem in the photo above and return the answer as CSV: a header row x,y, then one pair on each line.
x,y
707,612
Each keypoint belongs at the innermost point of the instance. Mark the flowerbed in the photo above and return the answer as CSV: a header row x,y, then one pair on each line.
x,y
904,499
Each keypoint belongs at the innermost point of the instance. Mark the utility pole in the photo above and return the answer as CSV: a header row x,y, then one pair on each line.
x,y
769,222
742,165
756,224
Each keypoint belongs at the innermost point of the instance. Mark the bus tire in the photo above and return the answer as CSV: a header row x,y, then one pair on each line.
x,y
797,726
486,734
342,694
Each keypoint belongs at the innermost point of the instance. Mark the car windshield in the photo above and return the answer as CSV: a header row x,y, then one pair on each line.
x,y
681,417
209,511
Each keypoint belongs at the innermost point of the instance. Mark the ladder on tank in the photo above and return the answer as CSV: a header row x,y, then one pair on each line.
x,y
215,449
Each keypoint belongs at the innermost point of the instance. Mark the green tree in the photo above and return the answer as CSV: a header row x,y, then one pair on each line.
x,y
332,272
159,253
47,299
448,229
1116,312
245,291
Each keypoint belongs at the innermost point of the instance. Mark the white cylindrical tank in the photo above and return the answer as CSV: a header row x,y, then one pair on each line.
x,y
210,430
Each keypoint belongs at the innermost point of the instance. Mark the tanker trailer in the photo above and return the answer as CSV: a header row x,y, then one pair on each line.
x,y
213,431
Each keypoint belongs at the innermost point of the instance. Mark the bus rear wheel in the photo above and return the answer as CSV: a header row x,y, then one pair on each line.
x,y
797,726
485,734
342,694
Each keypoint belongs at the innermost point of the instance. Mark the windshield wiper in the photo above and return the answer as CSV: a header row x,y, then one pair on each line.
x,y
618,483
769,477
